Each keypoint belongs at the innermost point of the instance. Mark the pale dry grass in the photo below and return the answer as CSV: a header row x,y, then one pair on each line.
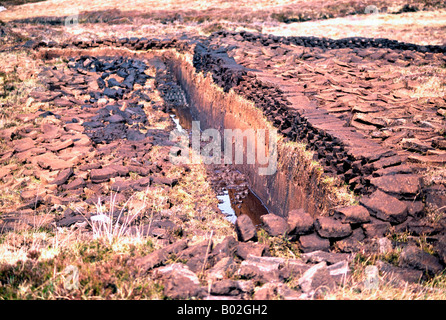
x,y
37,264
422,27
388,292
389,288
68,7
18,77
431,79
34,262
415,27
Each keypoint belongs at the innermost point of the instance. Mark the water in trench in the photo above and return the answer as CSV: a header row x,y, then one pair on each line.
x,y
233,192
250,205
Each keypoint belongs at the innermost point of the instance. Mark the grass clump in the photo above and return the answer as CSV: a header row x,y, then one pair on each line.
x,y
79,267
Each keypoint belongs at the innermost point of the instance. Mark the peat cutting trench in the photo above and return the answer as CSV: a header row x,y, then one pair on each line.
x,y
350,155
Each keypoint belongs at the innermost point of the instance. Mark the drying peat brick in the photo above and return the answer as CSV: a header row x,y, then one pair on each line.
x,y
63,176
159,256
299,222
313,242
75,184
68,221
352,243
61,102
316,277
229,287
376,229
385,207
245,228
436,197
423,227
274,225
45,96
142,171
328,257
414,257
401,184
59,145
440,248
52,162
171,182
24,145
401,169
262,269
386,162
245,249
121,170
179,281
103,175
328,227
226,248
353,214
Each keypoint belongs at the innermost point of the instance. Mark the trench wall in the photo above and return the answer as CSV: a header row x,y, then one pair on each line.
x,y
298,181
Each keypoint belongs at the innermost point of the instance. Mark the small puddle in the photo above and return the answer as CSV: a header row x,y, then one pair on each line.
x,y
184,118
178,125
225,206
249,204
